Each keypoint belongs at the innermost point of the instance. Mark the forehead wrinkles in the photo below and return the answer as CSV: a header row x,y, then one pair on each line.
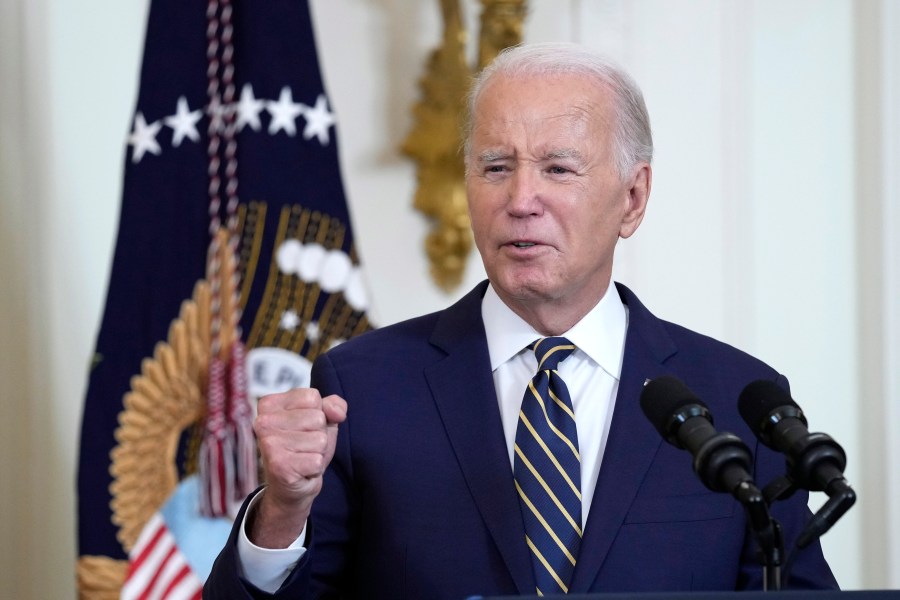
x,y
539,134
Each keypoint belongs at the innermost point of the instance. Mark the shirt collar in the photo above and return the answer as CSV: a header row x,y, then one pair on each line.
x,y
600,334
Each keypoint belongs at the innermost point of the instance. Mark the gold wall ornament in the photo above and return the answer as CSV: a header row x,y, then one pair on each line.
x,y
436,138
501,27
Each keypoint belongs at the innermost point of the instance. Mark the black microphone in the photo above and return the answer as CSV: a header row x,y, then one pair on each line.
x,y
815,461
721,460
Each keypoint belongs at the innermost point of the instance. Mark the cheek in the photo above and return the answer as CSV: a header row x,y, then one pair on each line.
x,y
475,198
593,236
481,228
476,221
482,214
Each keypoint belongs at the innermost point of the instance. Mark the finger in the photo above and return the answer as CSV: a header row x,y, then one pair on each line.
x,y
293,469
293,481
291,399
335,409
277,423
292,458
295,442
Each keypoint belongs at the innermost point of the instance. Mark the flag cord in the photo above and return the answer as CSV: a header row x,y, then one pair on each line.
x,y
227,461
222,147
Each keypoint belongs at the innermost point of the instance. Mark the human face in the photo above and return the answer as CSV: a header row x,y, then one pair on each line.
x,y
546,202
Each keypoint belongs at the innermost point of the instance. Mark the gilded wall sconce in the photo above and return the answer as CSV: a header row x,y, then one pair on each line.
x,y
435,141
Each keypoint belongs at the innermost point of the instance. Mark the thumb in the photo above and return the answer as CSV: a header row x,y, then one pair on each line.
x,y
335,409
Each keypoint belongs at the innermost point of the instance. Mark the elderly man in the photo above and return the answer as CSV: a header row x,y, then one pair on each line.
x,y
429,460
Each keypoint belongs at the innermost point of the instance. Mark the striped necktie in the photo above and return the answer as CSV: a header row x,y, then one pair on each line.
x,y
547,471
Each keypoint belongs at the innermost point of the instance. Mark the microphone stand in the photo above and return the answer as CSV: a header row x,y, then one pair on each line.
x,y
711,463
816,463
767,531
840,498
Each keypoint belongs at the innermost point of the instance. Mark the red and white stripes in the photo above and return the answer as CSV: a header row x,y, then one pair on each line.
x,y
158,569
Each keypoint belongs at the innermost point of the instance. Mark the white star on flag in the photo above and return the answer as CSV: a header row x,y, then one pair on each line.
x,y
248,108
318,120
284,112
289,320
143,138
184,123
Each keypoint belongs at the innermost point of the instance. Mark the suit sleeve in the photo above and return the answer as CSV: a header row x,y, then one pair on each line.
x,y
335,513
226,581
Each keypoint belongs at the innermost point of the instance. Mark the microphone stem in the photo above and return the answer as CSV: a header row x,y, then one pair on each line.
x,y
841,498
766,530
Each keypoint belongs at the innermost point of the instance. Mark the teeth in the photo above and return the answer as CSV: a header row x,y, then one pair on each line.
x,y
523,244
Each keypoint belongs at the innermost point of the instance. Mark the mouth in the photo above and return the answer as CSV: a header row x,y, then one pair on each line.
x,y
525,249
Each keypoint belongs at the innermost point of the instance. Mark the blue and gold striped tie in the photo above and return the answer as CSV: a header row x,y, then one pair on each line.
x,y
547,471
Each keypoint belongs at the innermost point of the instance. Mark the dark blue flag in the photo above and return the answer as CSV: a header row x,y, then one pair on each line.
x,y
249,69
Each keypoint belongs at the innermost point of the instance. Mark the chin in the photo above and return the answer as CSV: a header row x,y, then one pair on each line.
x,y
525,289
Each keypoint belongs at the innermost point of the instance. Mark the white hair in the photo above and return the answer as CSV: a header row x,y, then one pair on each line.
x,y
632,139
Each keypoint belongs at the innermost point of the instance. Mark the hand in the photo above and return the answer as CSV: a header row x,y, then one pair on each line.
x,y
296,432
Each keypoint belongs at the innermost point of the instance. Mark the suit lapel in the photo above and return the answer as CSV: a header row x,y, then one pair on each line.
x,y
463,389
631,445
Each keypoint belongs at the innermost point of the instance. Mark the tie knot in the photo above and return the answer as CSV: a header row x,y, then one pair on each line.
x,y
550,351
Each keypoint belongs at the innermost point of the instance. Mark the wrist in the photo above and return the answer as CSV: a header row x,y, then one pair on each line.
x,y
274,523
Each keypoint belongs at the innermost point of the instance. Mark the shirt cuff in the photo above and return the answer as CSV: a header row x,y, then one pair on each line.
x,y
267,568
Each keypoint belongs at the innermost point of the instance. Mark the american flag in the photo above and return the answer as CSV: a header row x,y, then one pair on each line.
x,y
301,285
158,568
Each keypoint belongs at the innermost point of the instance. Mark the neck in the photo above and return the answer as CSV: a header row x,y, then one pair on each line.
x,y
552,317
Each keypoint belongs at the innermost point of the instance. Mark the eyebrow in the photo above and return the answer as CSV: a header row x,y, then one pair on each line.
x,y
563,153
493,155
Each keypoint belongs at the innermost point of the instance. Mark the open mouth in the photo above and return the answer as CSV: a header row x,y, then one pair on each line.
x,y
523,244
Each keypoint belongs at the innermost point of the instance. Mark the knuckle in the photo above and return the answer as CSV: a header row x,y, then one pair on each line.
x,y
317,463
260,425
318,420
319,440
267,403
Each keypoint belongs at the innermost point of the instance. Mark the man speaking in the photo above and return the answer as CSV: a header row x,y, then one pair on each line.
x,y
498,447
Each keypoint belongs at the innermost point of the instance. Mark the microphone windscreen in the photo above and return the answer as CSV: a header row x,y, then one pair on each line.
x,y
663,397
759,399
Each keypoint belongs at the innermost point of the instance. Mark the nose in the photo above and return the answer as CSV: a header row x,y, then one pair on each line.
x,y
524,194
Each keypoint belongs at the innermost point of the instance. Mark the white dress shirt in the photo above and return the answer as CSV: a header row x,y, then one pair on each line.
x,y
591,374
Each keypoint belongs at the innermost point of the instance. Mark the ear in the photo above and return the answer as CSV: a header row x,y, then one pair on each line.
x,y
638,192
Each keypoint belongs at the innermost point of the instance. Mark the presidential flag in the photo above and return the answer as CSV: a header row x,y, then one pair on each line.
x,y
234,268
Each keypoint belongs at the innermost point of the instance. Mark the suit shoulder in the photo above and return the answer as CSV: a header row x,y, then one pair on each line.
x,y
684,348
711,354
436,329
410,331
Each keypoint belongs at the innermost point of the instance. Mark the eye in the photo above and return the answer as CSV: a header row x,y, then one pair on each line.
x,y
558,170
494,169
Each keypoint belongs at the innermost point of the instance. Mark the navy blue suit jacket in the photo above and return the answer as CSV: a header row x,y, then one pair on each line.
x,y
419,500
